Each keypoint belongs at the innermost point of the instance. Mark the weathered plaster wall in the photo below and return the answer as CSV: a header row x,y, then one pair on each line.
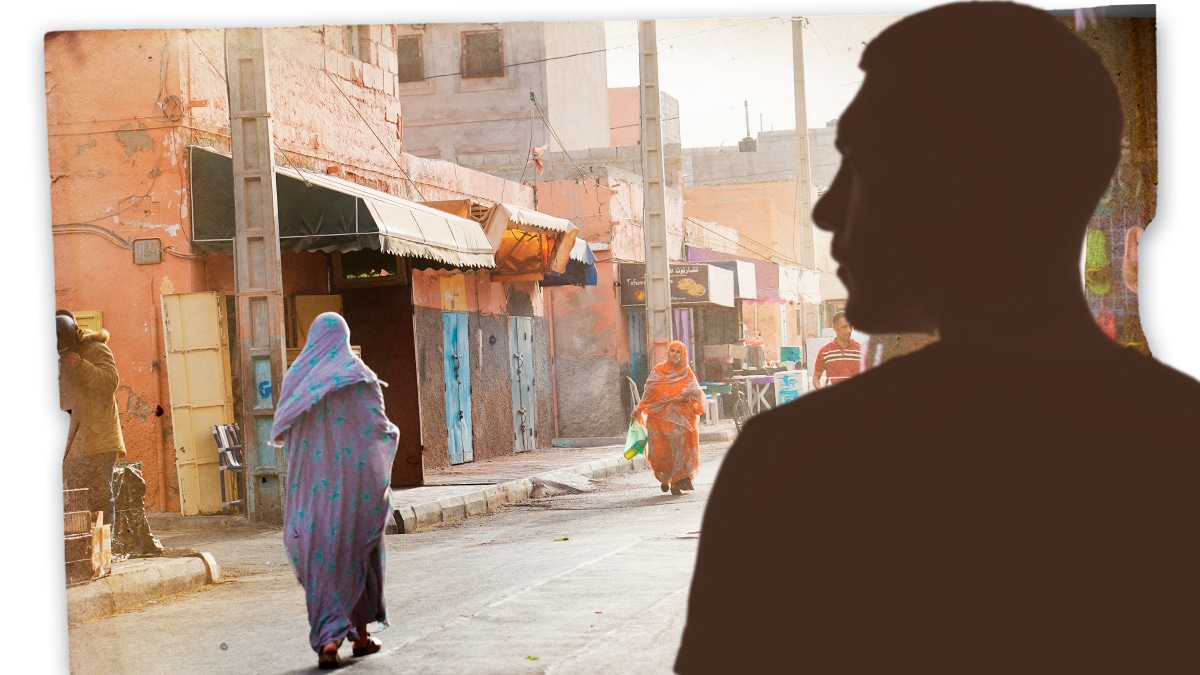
x,y
625,117
775,159
544,388
304,273
491,390
591,357
576,87
762,212
447,114
116,175
427,329
123,105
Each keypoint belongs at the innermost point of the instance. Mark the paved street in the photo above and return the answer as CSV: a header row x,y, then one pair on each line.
x,y
585,583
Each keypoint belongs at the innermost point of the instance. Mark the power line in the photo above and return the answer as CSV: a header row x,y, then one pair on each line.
x,y
735,179
382,145
706,112
554,133
771,252
606,49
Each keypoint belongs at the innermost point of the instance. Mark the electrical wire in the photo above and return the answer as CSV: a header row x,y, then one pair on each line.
x,y
382,145
91,228
735,179
705,112
532,122
770,252
554,134
189,256
606,49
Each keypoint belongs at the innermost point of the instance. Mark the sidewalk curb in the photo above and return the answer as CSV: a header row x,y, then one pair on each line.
x,y
174,522
448,509
711,436
119,591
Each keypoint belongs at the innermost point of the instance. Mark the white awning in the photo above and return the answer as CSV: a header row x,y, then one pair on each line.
x,y
411,229
528,244
318,212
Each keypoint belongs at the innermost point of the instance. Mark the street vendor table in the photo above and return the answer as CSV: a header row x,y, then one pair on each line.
x,y
759,386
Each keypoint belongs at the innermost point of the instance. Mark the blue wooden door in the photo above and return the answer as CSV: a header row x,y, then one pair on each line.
x,y
637,346
520,340
457,368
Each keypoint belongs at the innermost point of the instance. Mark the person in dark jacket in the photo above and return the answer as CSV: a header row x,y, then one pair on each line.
x,y
87,380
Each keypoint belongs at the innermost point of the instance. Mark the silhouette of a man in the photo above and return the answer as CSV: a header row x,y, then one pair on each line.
x,y
1022,495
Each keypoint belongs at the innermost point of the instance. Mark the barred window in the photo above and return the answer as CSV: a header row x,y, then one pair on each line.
x,y
482,54
410,62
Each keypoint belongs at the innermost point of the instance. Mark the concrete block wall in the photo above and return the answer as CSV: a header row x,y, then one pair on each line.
x,y
775,159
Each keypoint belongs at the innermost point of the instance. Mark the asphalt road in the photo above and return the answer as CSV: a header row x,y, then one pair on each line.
x,y
585,583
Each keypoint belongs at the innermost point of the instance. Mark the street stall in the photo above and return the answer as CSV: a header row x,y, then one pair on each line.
x,y
528,245
580,270
702,302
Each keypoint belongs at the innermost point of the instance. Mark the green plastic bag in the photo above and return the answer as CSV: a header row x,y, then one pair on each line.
x,y
635,439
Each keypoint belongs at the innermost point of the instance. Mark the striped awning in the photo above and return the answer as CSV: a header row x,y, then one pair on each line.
x,y
318,212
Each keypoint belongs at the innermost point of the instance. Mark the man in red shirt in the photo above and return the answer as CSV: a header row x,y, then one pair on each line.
x,y
841,359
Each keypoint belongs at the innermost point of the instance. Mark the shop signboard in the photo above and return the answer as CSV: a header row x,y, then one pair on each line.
x,y
691,284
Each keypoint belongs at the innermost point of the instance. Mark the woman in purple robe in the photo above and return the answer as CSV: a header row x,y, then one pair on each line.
x,y
339,446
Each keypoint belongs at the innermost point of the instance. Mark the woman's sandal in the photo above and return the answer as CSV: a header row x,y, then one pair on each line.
x,y
371,647
329,660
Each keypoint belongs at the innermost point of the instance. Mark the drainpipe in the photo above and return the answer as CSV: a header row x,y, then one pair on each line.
x,y
553,375
162,372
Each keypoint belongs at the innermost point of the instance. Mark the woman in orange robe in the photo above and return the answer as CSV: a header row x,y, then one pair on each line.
x,y
672,404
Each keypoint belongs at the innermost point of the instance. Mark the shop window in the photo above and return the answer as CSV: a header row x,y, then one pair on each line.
x,y
369,268
410,61
482,54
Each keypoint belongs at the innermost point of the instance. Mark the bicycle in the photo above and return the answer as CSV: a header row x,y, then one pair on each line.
x,y
741,405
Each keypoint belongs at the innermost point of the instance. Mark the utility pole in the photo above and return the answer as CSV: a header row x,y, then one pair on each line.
x,y
803,172
809,327
654,220
257,272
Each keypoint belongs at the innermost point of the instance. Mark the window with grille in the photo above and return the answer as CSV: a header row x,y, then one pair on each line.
x,y
482,54
409,59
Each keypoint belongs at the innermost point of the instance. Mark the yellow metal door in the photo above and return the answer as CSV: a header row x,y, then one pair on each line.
x,y
201,393
309,307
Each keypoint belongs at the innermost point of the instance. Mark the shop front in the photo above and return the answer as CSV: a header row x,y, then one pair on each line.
x,y
356,251
703,310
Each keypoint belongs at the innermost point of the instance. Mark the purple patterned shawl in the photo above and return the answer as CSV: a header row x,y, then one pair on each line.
x,y
339,445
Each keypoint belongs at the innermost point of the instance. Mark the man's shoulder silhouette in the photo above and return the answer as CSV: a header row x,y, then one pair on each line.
x,y
911,516
1019,496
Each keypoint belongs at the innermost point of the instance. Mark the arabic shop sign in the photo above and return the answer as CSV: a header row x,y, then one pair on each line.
x,y
691,284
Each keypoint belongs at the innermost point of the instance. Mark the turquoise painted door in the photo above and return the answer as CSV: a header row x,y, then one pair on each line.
x,y
520,340
457,368
638,369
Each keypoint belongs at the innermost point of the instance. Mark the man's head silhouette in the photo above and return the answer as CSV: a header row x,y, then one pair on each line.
x,y
972,158
1011,497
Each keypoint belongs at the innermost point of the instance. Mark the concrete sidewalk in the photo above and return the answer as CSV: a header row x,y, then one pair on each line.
x,y
458,492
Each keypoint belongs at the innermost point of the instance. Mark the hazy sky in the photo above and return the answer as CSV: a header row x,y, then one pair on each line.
x,y
713,66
